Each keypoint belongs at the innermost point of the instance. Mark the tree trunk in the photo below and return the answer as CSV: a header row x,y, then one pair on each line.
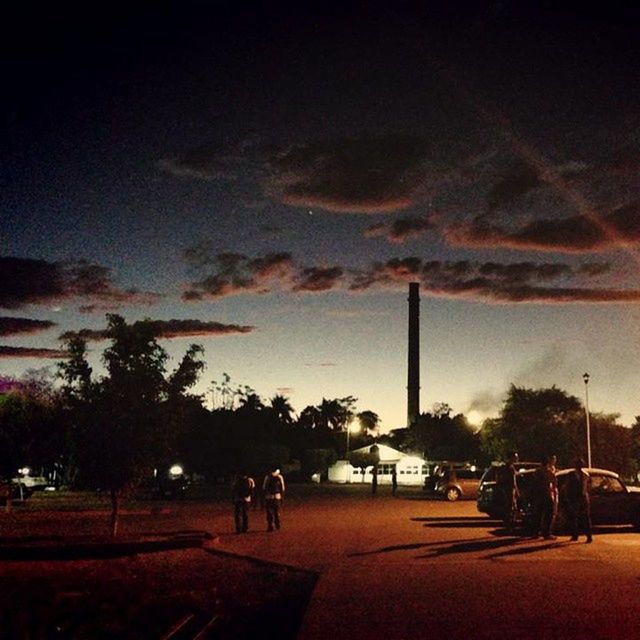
x,y
115,509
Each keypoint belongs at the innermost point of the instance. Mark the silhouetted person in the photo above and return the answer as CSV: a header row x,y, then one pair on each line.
x,y
241,494
273,489
508,486
374,479
546,495
577,502
394,480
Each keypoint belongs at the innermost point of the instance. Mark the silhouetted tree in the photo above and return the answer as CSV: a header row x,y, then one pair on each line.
x,y
282,408
369,422
31,429
125,422
441,436
536,422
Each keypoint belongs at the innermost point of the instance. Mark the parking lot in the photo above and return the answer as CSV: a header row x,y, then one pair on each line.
x,y
407,567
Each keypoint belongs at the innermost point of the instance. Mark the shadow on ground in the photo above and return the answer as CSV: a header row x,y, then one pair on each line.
x,y
147,595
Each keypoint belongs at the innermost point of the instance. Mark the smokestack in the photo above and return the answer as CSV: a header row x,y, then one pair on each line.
x,y
413,381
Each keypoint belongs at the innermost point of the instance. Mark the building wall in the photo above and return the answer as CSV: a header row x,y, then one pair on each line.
x,y
411,470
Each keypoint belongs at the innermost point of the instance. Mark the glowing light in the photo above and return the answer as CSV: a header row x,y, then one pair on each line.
x,y
474,418
176,470
25,471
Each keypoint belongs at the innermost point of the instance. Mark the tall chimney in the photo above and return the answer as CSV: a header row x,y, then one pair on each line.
x,y
413,381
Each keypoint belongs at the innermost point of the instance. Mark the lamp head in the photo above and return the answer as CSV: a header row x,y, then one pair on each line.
x,y
585,377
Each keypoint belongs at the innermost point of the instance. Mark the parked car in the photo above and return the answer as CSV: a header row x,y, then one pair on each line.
x,y
612,501
491,501
19,492
459,483
439,471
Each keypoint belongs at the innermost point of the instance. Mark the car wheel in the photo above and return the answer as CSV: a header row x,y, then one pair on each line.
x,y
452,494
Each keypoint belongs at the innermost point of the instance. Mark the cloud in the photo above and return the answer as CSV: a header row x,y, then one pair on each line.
x,y
357,175
574,234
28,281
511,187
318,279
169,329
235,273
401,230
365,174
492,282
31,352
16,326
486,402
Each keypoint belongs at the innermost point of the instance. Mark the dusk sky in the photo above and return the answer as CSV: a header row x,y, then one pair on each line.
x,y
266,180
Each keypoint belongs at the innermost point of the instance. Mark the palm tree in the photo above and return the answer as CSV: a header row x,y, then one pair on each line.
x,y
282,408
251,402
309,417
369,422
331,413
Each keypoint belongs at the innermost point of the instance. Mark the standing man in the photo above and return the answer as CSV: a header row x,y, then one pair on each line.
x,y
507,482
273,490
241,493
547,491
577,501
394,480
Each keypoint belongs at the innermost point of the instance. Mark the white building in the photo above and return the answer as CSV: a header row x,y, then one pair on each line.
x,y
410,469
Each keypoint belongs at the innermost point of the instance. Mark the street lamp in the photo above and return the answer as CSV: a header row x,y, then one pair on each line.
x,y
585,377
353,427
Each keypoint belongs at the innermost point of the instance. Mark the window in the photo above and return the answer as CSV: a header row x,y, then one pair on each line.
x,y
606,485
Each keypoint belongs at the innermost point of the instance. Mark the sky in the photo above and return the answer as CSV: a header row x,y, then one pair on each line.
x,y
266,179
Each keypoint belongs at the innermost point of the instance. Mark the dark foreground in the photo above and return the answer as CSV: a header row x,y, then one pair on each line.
x,y
386,567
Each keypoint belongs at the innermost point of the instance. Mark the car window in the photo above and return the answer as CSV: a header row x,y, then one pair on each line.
x,y
606,485
489,474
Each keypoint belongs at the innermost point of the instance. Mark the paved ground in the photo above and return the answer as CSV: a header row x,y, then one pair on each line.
x,y
401,568
405,567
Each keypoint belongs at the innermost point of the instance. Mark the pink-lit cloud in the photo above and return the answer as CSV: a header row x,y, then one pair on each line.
x,y
169,329
400,230
31,352
28,281
490,281
574,234
17,326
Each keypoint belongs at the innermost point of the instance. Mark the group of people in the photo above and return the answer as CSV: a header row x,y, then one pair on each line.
x,y
243,494
544,497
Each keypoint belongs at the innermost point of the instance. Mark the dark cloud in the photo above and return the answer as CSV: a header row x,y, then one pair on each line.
x,y
27,281
317,279
575,234
400,230
31,352
359,175
509,188
546,282
235,273
344,175
16,326
169,329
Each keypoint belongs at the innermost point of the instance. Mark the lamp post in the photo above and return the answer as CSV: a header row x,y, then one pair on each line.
x,y
585,377
346,454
